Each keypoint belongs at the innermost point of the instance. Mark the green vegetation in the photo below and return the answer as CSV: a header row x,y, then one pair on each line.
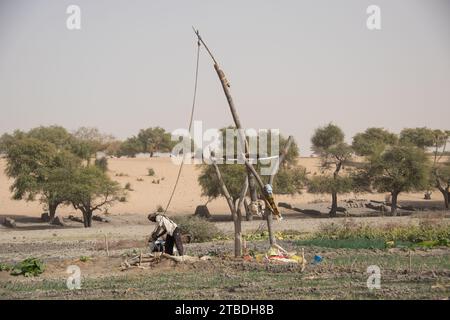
x,y
91,189
149,140
359,236
89,141
200,230
341,276
425,234
373,141
398,169
30,267
328,143
102,164
54,165
5,267
39,169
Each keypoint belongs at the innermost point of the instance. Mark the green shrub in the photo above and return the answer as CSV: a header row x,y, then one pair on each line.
x,y
200,230
5,267
425,232
30,267
128,187
150,172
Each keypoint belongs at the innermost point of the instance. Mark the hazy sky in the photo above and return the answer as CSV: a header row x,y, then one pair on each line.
x,y
293,65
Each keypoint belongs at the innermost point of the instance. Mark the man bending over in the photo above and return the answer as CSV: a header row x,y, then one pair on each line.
x,y
165,225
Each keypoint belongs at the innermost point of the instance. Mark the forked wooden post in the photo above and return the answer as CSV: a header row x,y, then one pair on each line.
x,y
235,212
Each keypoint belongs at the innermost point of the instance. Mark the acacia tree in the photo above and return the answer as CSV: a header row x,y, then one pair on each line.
x,y
88,141
56,135
154,140
39,169
130,147
422,138
7,140
400,168
328,143
373,141
441,170
91,189
441,174
435,140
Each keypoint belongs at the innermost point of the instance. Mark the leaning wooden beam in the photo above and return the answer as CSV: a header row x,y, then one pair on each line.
x,y
224,188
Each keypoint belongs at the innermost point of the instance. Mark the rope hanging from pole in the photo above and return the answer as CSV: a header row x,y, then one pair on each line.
x,y
190,125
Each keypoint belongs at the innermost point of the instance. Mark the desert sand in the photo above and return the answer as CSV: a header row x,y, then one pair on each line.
x,y
147,195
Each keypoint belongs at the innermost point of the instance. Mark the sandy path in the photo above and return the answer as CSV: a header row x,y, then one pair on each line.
x,y
142,230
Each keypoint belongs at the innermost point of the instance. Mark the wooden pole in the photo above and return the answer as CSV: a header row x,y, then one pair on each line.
x,y
224,188
253,191
236,214
238,222
106,245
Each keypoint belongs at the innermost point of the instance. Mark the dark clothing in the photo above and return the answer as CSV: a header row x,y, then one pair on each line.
x,y
174,239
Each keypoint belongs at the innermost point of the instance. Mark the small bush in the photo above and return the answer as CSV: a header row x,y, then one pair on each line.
x,y
150,172
5,267
84,259
128,187
200,230
139,179
30,267
123,199
159,209
121,174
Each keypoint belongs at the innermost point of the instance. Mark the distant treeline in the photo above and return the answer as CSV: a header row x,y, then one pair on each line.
x,y
61,168
376,161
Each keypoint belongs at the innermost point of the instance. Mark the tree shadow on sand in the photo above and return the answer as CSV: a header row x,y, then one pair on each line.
x,y
27,223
